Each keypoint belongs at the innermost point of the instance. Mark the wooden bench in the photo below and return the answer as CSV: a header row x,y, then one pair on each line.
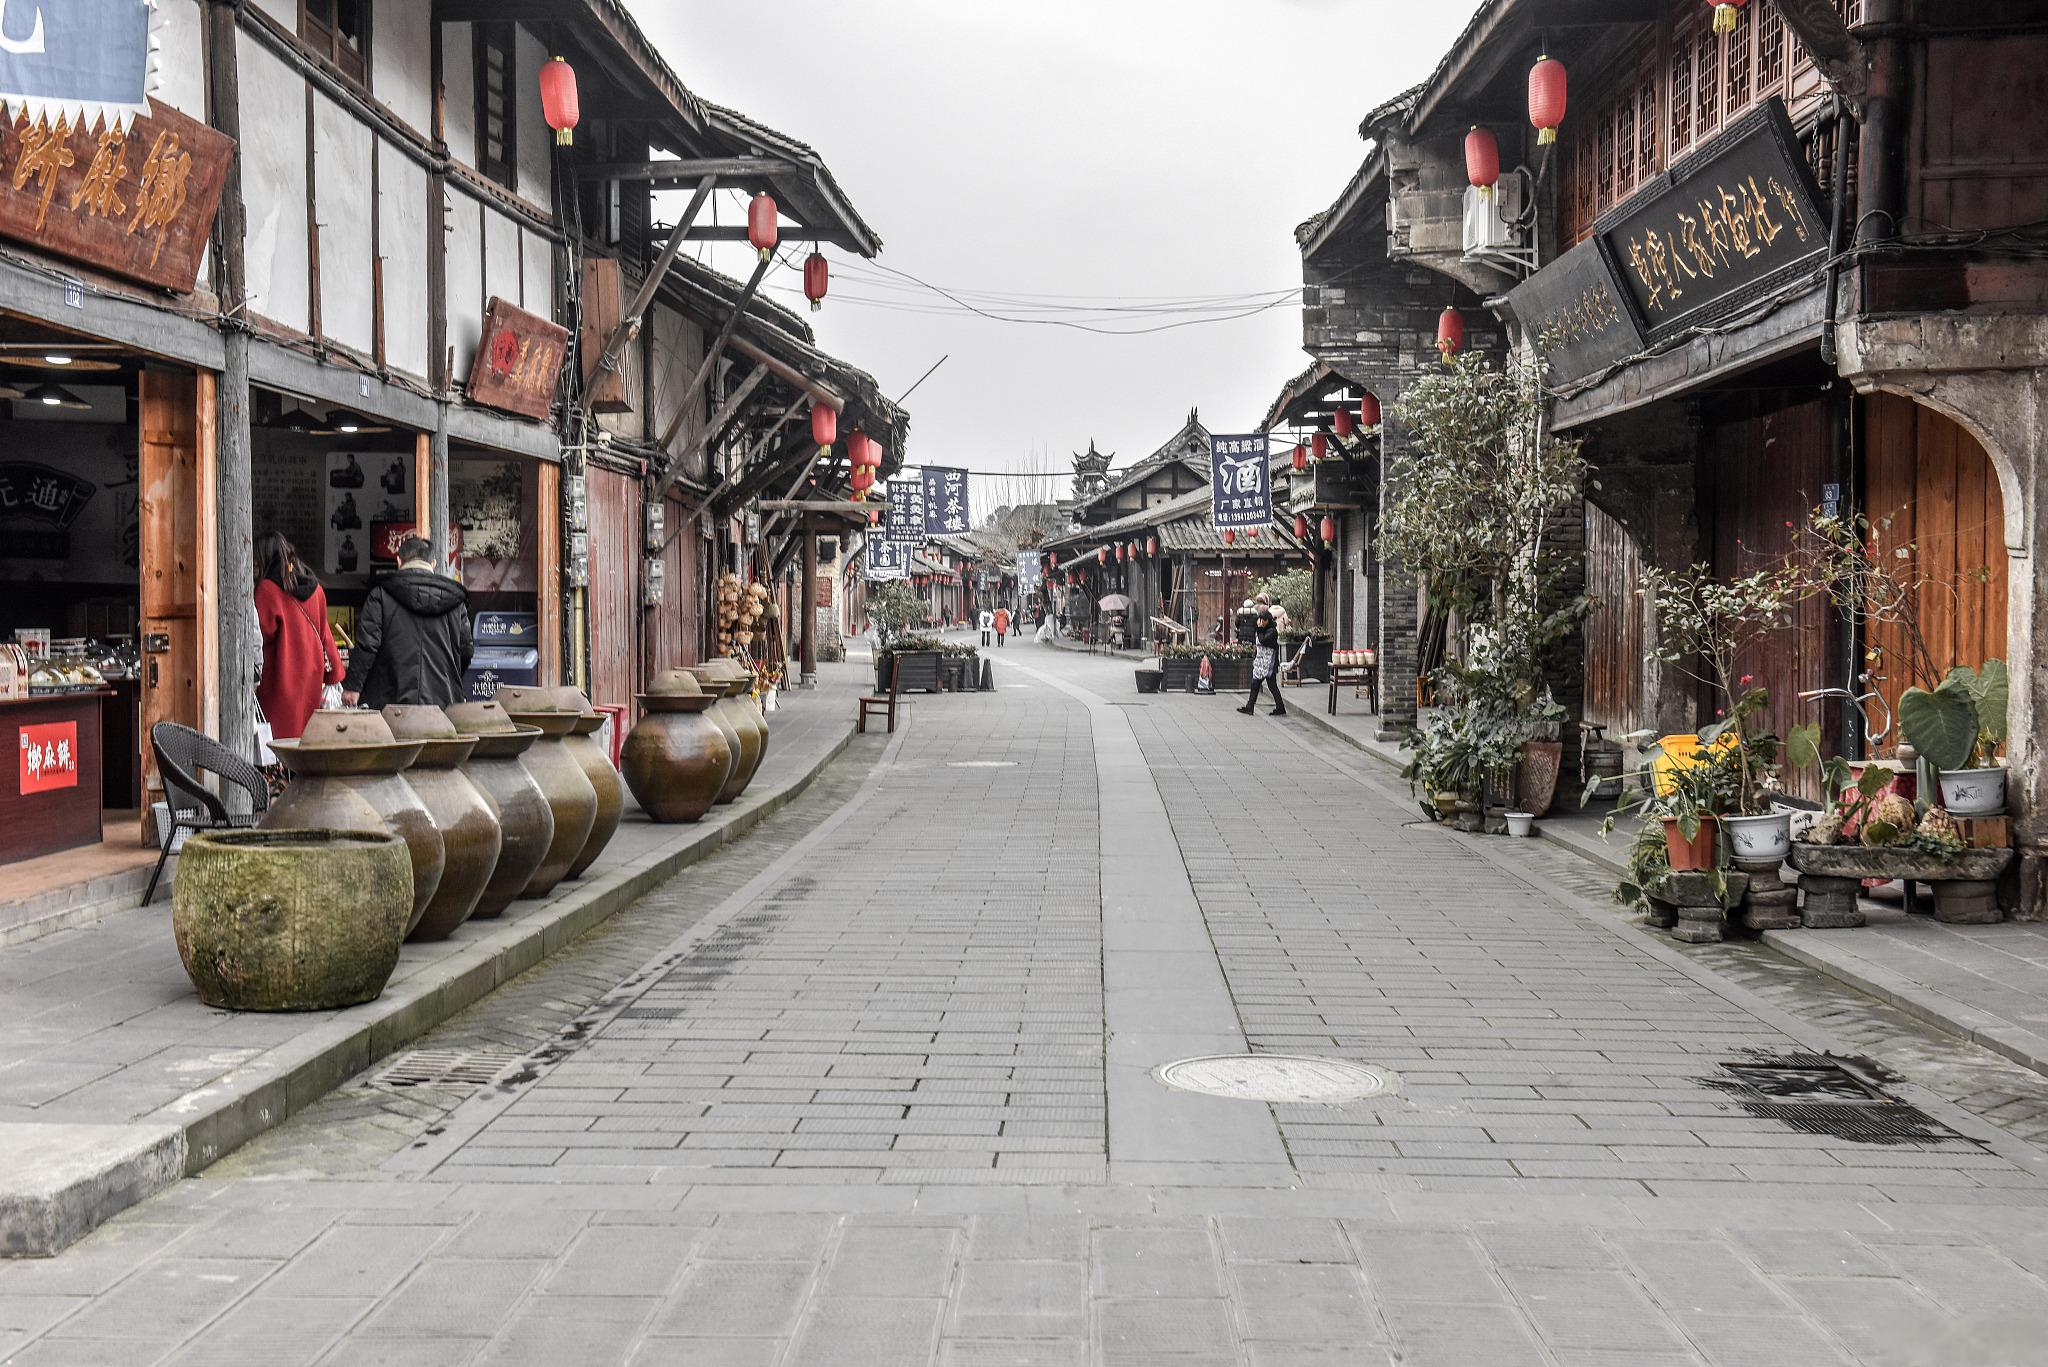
x,y
1354,669
872,704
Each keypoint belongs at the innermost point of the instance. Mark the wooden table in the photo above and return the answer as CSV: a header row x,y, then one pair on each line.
x,y
51,795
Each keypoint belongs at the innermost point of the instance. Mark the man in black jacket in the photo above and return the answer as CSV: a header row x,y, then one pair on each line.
x,y
412,636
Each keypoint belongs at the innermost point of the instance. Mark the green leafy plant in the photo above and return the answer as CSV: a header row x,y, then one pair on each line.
x,y
1295,592
1229,651
1960,722
895,608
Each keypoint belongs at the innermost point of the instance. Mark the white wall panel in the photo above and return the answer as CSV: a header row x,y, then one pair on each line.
x,y
536,139
344,211
403,188
465,279
501,256
286,12
458,78
537,274
181,81
402,60
274,186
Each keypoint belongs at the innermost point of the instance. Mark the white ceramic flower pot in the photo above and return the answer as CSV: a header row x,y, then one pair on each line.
x,y
1521,824
1758,837
1973,792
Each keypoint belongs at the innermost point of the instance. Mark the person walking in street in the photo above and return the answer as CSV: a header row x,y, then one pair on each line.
x,y
412,636
1246,625
1280,618
299,658
1002,625
1265,664
988,624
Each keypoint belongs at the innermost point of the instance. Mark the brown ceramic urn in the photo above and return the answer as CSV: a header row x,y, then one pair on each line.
x,y
728,678
678,758
560,775
467,821
526,823
582,742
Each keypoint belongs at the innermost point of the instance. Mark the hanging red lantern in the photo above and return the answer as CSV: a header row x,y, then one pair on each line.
x,y
1547,84
1229,537
1341,420
1301,526
761,229
1368,410
824,427
863,478
817,275
1450,333
1329,530
1482,160
1119,555
1151,545
874,517
1252,532
558,100
1102,555
1319,446
1300,457
1727,14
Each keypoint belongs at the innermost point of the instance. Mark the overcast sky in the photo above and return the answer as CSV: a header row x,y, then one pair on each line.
x,y
1126,149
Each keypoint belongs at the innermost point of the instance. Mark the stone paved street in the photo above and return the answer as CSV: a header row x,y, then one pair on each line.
x,y
874,1085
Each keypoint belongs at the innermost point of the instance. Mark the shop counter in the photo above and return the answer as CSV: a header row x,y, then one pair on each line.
x,y
51,795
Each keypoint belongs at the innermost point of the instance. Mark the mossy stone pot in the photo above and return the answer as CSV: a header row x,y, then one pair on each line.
x,y
582,743
348,775
470,835
678,758
526,821
726,678
288,920
570,794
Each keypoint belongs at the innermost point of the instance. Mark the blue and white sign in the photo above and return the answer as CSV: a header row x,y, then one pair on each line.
x,y
1240,482
886,560
904,522
945,501
1030,572
79,61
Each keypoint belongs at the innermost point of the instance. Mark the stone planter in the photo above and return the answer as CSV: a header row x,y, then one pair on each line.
x,y
560,775
470,837
727,679
1757,839
678,758
526,821
1965,888
954,670
285,920
1178,676
347,775
1536,775
1149,680
1229,676
1973,792
1687,905
581,743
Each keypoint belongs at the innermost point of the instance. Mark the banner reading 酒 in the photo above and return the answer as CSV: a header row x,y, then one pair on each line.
x,y
1240,482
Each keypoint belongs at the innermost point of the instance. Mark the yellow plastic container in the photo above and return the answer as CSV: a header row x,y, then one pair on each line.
x,y
1680,752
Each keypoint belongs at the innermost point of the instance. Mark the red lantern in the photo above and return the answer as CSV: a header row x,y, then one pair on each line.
x,y
1319,446
1369,411
1329,530
1300,457
1119,555
862,477
1727,13
1301,526
1450,333
1482,159
874,517
817,275
1102,555
761,229
1252,532
558,100
1341,420
1151,545
1229,537
824,427
1546,98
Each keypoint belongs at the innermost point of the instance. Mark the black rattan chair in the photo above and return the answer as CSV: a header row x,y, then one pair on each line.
x,y
183,757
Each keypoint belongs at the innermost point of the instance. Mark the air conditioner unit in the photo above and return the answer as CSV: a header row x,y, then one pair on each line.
x,y
1490,232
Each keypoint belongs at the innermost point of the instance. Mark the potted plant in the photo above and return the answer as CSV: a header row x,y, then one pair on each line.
x,y
1957,727
1521,824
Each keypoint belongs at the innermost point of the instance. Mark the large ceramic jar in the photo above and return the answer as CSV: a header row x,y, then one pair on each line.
x,y
582,743
347,775
727,678
468,822
284,920
678,758
560,775
526,822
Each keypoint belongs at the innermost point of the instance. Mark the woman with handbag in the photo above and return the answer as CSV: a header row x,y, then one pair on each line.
x,y
1265,663
299,658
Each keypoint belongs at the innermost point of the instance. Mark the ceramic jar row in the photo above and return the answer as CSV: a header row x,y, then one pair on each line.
x,y
699,743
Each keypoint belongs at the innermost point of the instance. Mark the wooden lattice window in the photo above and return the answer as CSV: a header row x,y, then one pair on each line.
x,y
1681,97
497,152
339,30
1648,158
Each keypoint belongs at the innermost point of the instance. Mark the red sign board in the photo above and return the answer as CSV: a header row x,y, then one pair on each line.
x,y
385,536
49,757
520,362
139,203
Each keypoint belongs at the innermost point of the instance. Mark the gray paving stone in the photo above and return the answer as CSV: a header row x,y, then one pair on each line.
x,y
876,1331
736,1299
1155,1333
1016,1300
455,1297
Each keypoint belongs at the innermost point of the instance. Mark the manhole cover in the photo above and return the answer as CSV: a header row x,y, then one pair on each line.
x,y
982,764
1277,1077
446,1068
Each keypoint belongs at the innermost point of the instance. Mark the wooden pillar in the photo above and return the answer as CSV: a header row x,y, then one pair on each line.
x,y
550,586
228,549
437,515
809,598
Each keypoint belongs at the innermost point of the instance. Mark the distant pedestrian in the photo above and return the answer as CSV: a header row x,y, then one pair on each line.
x,y
1265,664
1247,623
1002,621
988,624
1280,619
299,658
412,636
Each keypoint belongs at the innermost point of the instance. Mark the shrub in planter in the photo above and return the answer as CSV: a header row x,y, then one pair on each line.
x,y
1957,726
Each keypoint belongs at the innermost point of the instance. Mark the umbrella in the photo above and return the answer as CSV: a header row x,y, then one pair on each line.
x,y
1115,602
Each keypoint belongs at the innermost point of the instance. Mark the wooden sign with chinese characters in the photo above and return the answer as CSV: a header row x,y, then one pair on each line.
x,y
1574,310
139,204
1726,227
520,361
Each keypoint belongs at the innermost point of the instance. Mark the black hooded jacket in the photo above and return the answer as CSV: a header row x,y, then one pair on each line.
x,y
412,641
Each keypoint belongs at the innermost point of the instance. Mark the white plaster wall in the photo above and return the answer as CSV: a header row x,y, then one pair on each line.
x,y
501,256
402,61
402,238
537,274
274,186
465,279
181,81
536,139
344,211
458,79
286,12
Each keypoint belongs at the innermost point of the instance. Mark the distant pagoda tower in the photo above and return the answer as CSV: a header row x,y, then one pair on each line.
x,y
1091,472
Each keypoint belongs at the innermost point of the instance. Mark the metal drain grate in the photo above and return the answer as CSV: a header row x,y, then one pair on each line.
x,y
1277,1078
446,1068
1821,1094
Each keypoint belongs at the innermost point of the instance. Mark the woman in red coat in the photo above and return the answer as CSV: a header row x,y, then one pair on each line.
x,y
299,658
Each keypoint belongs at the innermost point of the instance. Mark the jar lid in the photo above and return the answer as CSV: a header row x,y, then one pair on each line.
x,y
481,719
345,729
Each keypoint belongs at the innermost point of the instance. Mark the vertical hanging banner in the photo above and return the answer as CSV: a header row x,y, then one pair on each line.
x,y
1240,482
904,522
945,501
886,560
85,64
1030,572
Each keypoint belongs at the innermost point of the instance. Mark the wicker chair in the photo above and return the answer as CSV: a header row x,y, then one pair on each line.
x,y
183,757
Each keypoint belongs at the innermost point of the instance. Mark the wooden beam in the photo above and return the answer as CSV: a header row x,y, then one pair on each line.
x,y
699,168
712,353
1837,53
816,390
738,473
629,324
815,505
737,232
720,420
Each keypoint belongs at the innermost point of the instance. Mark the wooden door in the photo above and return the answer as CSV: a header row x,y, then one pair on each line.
x,y
177,544
1615,643
1930,488
615,538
